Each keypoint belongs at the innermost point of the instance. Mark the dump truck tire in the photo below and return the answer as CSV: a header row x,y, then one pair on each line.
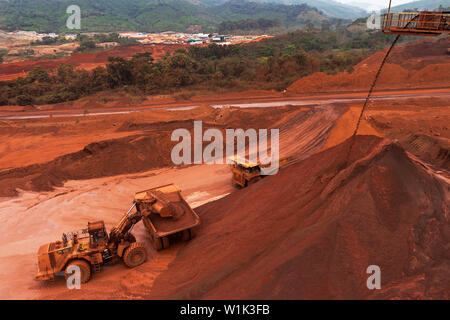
x,y
253,181
135,255
165,242
187,235
157,244
85,270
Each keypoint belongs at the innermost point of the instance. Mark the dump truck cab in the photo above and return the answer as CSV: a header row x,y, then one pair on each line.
x,y
244,173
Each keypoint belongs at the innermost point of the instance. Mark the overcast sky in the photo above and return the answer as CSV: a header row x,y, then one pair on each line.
x,y
375,4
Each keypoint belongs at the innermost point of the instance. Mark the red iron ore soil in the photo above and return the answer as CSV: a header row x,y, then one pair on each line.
x,y
422,64
147,147
312,231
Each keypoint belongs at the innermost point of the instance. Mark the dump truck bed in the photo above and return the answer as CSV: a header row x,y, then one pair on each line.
x,y
184,217
163,227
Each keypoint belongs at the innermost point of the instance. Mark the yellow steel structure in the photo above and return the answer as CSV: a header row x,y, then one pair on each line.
x,y
424,23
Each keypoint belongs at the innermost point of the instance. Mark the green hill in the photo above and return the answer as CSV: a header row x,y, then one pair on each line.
x,y
100,15
330,7
148,15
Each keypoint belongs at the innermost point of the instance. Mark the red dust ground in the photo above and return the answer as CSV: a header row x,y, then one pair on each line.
x,y
309,232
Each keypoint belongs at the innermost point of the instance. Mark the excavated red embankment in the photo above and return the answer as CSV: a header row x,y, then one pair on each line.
x,y
312,231
422,64
148,147
131,154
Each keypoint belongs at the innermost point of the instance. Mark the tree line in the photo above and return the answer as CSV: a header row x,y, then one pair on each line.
x,y
270,64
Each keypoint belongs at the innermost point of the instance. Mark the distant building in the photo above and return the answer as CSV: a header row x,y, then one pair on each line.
x,y
27,33
194,42
135,35
219,38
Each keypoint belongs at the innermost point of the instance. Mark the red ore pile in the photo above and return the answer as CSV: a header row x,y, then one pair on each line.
x,y
312,231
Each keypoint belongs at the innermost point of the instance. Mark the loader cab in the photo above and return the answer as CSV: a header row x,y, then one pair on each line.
x,y
97,234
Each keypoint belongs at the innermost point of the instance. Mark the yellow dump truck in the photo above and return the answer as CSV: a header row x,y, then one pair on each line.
x,y
170,219
245,174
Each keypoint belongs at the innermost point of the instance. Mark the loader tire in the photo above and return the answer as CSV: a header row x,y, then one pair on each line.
x,y
85,270
130,238
135,255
